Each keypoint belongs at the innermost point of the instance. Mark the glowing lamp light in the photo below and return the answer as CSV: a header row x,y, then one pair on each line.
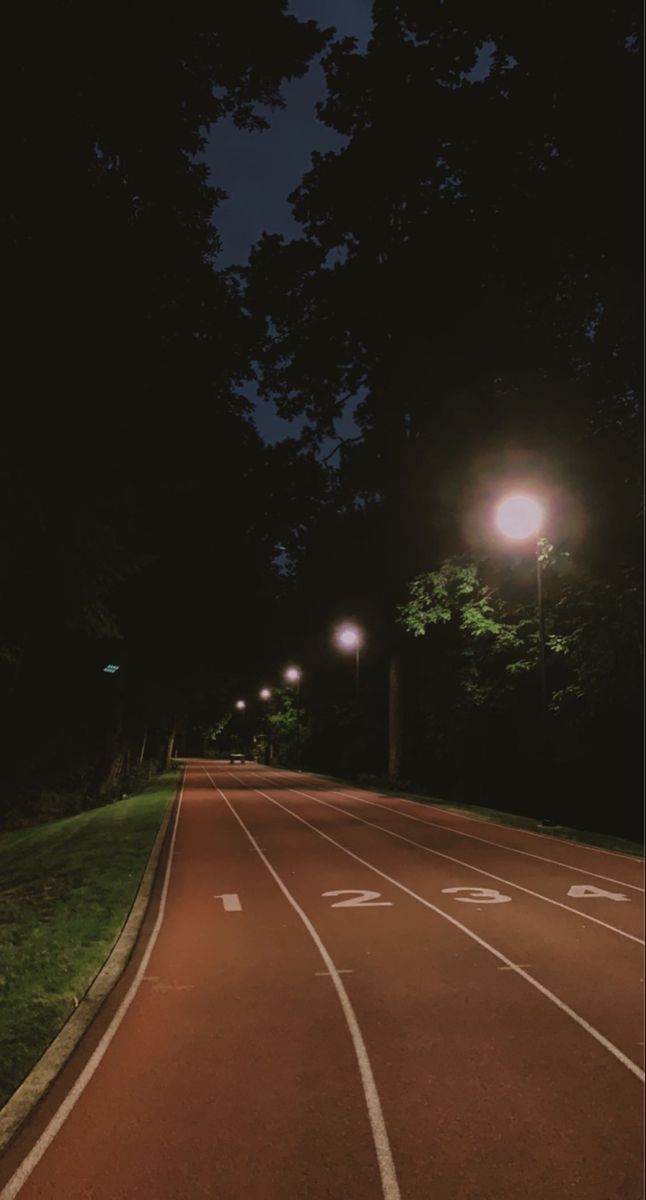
x,y
240,705
519,517
292,674
265,694
348,637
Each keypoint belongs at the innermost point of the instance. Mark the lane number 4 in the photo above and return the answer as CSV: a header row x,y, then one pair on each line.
x,y
581,890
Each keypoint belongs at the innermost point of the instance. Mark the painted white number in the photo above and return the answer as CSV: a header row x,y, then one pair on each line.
x,y
478,895
588,889
230,902
360,899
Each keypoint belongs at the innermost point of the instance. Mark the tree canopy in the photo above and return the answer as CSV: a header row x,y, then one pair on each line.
x,y
466,277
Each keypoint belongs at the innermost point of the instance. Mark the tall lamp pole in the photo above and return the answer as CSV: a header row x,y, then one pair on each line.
x,y
519,518
241,707
293,675
348,637
265,695
541,626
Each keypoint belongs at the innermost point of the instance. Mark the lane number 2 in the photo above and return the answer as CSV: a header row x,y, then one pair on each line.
x,y
360,899
478,895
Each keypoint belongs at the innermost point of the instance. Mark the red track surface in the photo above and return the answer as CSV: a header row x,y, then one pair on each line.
x,y
430,1068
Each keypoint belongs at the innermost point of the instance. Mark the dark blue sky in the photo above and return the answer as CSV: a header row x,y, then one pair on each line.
x,y
259,170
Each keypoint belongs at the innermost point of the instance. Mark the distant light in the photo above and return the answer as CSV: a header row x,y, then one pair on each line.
x,y
111,669
293,674
265,694
519,517
240,705
348,636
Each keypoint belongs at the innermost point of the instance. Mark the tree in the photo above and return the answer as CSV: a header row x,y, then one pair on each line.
x,y
478,687
127,350
467,269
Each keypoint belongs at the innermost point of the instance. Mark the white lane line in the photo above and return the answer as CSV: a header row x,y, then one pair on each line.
x,y
389,1184
546,837
20,1177
487,841
340,971
581,1021
479,870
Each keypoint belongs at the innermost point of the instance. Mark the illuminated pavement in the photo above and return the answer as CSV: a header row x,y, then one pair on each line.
x,y
356,997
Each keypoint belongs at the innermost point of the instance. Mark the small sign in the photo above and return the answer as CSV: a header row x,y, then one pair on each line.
x,y
111,669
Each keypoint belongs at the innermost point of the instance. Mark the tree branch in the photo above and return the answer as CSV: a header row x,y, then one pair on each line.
x,y
342,442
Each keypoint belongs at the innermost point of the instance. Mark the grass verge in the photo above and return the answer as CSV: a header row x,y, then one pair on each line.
x,y
67,888
603,841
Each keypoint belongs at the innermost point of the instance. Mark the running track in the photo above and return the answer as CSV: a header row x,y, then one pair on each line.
x,y
338,994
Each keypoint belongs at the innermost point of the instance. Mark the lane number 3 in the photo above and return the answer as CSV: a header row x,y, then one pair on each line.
x,y
478,895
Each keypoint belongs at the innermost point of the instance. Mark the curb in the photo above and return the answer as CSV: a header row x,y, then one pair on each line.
x,y
32,1089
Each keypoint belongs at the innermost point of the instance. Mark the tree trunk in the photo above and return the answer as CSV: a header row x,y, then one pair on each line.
x,y
143,746
394,717
170,749
110,769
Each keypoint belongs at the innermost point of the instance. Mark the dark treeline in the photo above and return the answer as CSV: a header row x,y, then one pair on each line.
x,y
136,492
467,268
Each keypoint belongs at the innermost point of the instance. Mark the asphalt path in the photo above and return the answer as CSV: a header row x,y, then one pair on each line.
x,y
344,995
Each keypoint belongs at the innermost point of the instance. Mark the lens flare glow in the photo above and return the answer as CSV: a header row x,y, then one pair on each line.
x,y
348,637
519,517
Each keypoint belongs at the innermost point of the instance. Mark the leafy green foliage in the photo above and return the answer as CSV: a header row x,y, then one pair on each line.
x,y
491,641
288,726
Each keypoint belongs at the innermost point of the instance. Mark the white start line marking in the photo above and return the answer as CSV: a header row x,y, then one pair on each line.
x,y
339,971
230,901
363,898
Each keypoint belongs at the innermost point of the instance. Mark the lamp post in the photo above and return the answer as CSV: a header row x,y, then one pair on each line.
x,y
348,637
520,517
241,706
265,695
293,675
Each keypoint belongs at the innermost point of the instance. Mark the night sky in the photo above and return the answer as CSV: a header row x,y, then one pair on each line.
x,y
259,170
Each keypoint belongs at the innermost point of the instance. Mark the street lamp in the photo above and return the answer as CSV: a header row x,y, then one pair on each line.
x,y
520,517
348,637
265,694
240,705
293,675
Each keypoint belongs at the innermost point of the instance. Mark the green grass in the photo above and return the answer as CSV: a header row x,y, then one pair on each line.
x,y
605,841
66,890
